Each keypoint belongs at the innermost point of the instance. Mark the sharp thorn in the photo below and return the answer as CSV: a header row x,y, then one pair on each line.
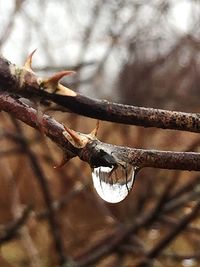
x,y
54,79
74,137
94,132
28,62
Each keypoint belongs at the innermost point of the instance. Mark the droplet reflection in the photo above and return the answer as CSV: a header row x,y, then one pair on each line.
x,y
113,184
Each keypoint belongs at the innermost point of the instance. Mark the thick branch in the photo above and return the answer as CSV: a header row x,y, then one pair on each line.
x,y
127,114
136,157
25,82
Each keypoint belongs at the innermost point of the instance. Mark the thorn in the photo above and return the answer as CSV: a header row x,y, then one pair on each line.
x,y
78,140
52,84
28,62
94,132
63,90
54,79
65,159
74,138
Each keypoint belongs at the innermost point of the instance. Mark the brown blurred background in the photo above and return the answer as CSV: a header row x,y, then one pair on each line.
x,y
143,53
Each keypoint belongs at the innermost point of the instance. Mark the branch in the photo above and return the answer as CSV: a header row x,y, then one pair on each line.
x,y
25,82
137,157
112,242
109,244
163,243
42,180
12,229
127,114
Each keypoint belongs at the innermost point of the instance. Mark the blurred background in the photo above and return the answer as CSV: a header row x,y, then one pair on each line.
x,y
143,53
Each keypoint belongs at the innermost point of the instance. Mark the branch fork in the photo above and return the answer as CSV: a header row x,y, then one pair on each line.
x,y
24,82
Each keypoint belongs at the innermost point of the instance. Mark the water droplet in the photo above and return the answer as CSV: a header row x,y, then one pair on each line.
x,y
113,184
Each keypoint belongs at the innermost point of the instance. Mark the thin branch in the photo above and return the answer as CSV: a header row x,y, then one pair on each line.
x,y
42,180
116,239
109,244
173,221
62,202
181,257
11,152
12,229
8,28
137,157
163,243
76,67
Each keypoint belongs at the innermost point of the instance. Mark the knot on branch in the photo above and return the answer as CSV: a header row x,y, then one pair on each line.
x,y
89,148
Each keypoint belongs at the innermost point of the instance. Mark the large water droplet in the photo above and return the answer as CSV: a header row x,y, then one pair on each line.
x,y
113,184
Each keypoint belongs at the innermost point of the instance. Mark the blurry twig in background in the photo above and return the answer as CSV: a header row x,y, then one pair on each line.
x,y
11,230
52,219
7,30
155,251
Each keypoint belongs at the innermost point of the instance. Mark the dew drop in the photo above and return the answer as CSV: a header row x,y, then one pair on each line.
x,y
113,184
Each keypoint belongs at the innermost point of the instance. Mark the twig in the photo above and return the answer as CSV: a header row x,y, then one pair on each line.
x,y
181,257
61,202
189,186
71,67
109,244
11,230
161,202
8,28
163,243
116,239
180,201
62,258
173,221
11,152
